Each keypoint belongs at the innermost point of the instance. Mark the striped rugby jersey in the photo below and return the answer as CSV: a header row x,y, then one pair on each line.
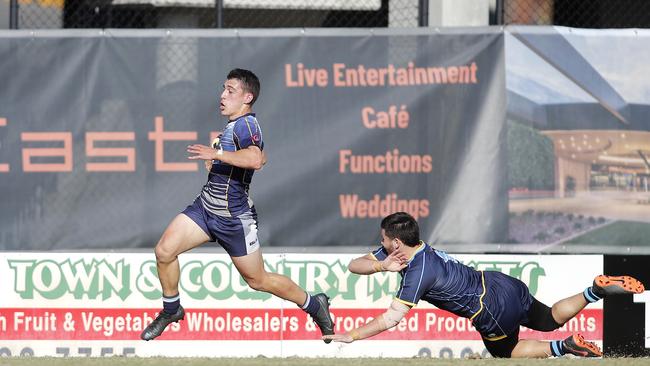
x,y
437,278
226,191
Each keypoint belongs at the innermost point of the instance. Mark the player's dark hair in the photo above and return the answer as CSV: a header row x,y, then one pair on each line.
x,y
402,226
249,81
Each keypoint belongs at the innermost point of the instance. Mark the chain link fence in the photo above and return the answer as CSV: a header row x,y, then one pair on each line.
x,y
44,14
53,14
577,13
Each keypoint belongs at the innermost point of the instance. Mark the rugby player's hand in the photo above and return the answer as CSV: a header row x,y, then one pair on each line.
x,y
395,262
216,144
343,338
201,152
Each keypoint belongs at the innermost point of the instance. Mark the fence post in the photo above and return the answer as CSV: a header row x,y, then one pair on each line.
x,y
499,12
13,14
218,8
423,13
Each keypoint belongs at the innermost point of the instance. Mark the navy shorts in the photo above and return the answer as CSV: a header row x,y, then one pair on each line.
x,y
237,235
505,306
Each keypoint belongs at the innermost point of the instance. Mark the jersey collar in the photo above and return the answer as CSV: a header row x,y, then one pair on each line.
x,y
419,249
242,116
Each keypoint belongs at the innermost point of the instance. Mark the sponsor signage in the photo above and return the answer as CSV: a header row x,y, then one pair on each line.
x,y
56,300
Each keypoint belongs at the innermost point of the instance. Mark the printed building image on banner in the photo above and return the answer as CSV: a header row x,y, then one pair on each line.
x,y
578,140
80,304
356,125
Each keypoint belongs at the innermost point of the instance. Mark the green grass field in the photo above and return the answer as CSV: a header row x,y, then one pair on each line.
x,y
121,361
622,233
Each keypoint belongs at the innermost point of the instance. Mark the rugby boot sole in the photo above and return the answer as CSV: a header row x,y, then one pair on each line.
x,y
617,285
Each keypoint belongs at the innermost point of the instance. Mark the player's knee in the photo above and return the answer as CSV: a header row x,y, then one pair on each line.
x,y
164,254
540,317
257,283
552,323
547,322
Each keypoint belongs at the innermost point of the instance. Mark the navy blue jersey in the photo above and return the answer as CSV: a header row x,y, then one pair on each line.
x,y
226,191
496,303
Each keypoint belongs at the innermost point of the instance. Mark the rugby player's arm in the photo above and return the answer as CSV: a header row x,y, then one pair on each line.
x,y
368,264
248,158
387,320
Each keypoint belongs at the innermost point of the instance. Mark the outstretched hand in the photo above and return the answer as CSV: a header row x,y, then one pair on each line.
x,y
201,152
216,144
395,262
342,338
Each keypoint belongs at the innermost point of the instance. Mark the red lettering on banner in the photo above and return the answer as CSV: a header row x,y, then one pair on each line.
x,y
160,136
385,119
65,152
255,324
3,167
337,70
126,152
305,76
411,74
389,75
354,207
390,162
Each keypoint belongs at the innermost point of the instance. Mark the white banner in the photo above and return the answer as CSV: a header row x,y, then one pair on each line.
x,y
61,303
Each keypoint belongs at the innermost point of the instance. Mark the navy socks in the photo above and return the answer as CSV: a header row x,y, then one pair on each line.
x,y
171,304
310,306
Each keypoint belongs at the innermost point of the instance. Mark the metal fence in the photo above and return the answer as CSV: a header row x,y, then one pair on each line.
x,y
577,13
38,14
31,14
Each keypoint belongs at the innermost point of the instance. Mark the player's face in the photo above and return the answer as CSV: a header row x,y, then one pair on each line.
x,y
386,242
233,100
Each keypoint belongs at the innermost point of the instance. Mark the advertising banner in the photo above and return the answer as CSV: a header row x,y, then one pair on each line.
x,y
518,139
356,125
578,140
98,303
